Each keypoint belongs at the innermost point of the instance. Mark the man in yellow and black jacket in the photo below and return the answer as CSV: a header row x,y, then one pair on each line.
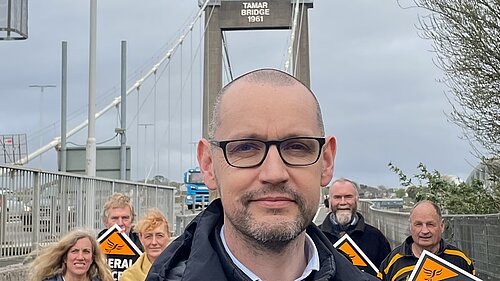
x,y
426,227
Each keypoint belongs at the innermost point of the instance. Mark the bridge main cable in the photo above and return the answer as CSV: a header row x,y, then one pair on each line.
x,y
117,100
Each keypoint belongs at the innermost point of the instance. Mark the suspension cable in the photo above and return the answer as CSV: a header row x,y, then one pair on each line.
x,y
117,100
155,158
228,60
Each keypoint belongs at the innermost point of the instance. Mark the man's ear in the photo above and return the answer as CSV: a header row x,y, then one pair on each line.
x,y
329,151
206,164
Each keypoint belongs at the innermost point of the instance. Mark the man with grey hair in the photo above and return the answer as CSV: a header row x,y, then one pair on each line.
x,y
119,210
267,157
426,228
344,218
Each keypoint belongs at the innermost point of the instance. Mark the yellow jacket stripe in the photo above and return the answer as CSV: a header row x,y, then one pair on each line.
x,y
393,260
458,253
403,271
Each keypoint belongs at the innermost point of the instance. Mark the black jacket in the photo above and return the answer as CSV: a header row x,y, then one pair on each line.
x,y
133,236
400,262
371,241
198,254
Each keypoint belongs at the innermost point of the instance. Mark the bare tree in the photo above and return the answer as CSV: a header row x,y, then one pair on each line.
x,y
466,39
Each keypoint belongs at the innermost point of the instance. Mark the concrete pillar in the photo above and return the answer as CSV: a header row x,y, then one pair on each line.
x,y
212,73
238,15
302,63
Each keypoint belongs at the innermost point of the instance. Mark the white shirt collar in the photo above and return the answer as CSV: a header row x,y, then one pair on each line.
x,y
310,251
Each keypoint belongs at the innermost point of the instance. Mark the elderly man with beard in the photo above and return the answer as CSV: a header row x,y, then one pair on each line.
x,y
267,156
344,218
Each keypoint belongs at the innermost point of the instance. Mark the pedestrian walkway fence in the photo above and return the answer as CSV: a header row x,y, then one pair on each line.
x,y
37,208
188,213
477,235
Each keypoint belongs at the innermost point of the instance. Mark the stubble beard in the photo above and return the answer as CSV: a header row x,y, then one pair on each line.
x,y
270,236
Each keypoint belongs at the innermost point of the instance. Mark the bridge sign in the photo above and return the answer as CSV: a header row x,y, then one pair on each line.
x,y
358,257
430,267
120,251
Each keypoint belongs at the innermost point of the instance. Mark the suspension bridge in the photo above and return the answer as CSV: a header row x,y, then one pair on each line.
x,y
168,105
168,101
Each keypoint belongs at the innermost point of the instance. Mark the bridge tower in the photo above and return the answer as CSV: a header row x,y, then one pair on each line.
x,y
228,15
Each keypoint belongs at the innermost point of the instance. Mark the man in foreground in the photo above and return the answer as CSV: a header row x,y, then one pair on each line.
x,y
426,227
267,157
344,218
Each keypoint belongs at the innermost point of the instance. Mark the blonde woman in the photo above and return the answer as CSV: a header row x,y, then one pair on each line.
x,y
154,234
76,257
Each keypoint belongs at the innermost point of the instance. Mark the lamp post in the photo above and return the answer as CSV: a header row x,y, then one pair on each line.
x,y
90,150
145,125
42,88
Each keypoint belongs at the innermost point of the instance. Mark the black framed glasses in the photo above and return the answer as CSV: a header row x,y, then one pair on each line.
x,y
249,153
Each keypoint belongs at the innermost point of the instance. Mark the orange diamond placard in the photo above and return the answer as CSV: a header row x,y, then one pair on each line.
x,y
358,257
432,271
120,251
116,245
355,258
430,267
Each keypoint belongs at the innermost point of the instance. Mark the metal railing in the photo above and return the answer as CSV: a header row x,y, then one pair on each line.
x,y
477,235
188,213
38,207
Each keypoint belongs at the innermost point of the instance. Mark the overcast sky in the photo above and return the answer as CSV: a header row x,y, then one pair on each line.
x,y
373,75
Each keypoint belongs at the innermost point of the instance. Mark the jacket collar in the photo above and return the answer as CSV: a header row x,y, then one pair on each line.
x,y
201,243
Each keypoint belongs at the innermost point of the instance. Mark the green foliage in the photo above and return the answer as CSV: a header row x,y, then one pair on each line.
x,y
453,198
400,193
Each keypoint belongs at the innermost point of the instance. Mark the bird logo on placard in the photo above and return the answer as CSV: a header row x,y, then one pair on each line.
x,y
113,246
431,273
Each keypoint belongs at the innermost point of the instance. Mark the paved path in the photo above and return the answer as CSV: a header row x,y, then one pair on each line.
x,y
10,261
320,214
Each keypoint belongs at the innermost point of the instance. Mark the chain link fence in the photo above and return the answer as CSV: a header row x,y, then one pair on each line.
x,y
477,235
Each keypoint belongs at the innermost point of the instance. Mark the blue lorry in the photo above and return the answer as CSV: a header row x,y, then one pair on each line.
x,y
196,191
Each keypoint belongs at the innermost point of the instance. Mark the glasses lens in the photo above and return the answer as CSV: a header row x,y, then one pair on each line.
x,y
300,151
245,153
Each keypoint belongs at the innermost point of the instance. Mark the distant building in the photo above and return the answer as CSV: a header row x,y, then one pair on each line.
x,y
452,179
395,204
366,191
482,173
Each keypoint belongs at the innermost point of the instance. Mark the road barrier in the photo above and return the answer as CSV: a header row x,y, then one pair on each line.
x,y
48,205
187,214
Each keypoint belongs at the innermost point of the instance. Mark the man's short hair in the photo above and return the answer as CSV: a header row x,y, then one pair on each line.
x,y
117,200
268,76
434,205
355,184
